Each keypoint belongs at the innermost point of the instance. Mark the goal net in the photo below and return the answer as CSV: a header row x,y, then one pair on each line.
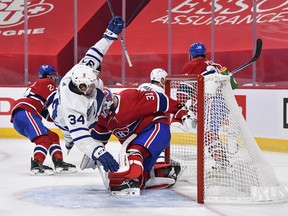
x,y
219,155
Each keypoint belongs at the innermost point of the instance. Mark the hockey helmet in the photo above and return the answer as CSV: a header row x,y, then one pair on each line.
x,y
197,49
84,78
158,75
107,102
45,70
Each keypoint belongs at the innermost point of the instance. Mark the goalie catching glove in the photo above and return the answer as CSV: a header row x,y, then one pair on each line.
x,y
106,159
114,28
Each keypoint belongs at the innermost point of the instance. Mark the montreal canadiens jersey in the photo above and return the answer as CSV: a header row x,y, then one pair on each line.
x,y
135,111
150,87
36,98
198,66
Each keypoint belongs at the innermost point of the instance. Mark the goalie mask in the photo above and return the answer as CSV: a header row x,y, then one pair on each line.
x,y
108,104
84,79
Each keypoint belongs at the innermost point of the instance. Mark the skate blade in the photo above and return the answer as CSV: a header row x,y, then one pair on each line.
x,y
60,170
38,173
128,192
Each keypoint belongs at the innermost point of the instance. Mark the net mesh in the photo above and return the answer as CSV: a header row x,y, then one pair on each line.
x,y
234,167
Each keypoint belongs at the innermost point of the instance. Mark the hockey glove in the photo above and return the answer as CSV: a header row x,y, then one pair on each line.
x,y
114,28
106,159
233,82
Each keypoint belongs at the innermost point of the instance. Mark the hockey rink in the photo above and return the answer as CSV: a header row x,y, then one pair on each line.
x,y
83,193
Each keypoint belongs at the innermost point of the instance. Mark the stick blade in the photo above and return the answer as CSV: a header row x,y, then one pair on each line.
x,y
255,57
258,48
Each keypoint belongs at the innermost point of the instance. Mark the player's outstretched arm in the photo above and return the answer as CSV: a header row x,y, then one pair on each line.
x,y
95,54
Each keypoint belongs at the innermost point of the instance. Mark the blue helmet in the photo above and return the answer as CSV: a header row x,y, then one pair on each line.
x,y
45,70
197,49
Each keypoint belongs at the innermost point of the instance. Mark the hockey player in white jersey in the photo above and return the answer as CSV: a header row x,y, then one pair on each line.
x,y
157,77
79,98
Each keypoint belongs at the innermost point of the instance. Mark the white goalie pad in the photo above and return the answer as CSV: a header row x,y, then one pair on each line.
x,y
123,157
159,182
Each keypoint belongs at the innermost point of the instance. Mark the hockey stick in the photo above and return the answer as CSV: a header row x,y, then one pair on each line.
x,y
255,57
104,175
120,35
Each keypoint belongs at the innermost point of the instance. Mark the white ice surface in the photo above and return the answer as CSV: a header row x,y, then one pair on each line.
x,y
83,193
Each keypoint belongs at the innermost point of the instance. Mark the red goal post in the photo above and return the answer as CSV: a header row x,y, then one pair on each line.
x,y
219,156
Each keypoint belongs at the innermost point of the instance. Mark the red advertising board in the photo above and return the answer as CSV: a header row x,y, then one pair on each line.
x,y
50,29
148,47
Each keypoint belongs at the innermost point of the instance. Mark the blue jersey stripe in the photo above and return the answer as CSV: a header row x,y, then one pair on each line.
x,y
81,137
94,57
164,102
97,51
78,129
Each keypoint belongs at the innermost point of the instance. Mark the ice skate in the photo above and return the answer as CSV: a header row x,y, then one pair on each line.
x,y
39,169
130,187
63,167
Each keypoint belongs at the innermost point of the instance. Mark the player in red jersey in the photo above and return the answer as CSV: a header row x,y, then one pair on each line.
x,y
142,113
187,95
27,114
199,64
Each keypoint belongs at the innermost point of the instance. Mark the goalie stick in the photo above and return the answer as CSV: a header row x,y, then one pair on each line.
x,y
120,35
255,57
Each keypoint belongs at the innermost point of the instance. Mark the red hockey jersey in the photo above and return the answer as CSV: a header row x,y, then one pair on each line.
x,y
37,98
198,66
135,111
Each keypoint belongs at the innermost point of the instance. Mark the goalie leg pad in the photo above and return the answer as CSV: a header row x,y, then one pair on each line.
x,y
159,182
130,187
128,182
167,170
162,176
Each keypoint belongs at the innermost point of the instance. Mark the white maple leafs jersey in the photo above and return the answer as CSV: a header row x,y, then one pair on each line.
x,y
150,87
75,114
